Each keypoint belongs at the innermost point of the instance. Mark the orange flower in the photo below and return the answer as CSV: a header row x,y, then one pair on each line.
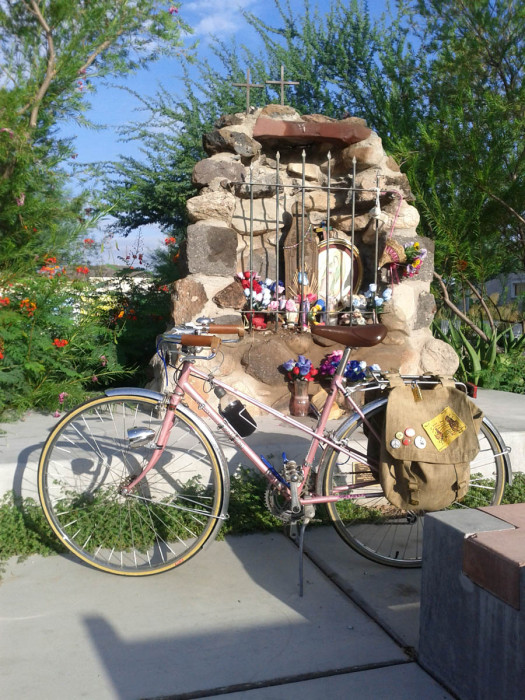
x,y
60,343
28,306
462,265
4,301
82,270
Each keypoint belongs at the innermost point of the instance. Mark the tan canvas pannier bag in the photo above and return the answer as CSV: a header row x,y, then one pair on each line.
x,y
430,439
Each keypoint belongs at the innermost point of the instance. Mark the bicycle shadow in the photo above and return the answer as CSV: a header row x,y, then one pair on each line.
x,y
236,621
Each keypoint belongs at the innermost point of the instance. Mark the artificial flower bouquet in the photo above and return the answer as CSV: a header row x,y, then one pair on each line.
x,y
355,371
415,255
300,370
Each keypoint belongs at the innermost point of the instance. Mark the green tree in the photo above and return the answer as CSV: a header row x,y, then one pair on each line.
x,y
53,52
441,82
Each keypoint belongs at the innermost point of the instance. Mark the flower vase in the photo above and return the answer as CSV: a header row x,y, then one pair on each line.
x,y
299,400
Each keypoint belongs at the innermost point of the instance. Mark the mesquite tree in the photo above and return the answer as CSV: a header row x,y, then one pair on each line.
x,y
52,54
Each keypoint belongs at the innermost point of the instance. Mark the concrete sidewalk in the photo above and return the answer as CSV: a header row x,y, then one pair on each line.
x,y
229,622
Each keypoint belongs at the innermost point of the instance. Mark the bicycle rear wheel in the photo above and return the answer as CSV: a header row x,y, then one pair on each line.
x,y
367,521
97,450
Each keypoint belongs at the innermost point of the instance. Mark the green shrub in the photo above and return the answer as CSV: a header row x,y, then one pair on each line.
x,y
53,350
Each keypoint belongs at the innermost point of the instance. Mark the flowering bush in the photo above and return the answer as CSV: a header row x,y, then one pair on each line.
x,y
299,370
50,349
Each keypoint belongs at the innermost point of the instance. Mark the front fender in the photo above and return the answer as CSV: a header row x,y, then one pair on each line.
x,y
134,391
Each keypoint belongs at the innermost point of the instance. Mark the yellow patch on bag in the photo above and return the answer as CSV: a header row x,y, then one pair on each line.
x,y
444,428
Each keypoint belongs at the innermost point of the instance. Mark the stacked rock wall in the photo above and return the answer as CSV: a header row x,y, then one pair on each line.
x,y
228,215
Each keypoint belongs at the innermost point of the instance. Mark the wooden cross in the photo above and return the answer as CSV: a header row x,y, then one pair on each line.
x,y
282,82
248,85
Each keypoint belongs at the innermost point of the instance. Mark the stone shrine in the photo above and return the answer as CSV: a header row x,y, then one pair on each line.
x,y
267,167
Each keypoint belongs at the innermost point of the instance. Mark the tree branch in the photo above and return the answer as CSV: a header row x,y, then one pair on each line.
x,y
504,204
457,311
50,68
483,305
100,49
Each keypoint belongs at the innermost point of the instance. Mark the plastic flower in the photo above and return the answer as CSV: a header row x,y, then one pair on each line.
x,y
300,369
329,363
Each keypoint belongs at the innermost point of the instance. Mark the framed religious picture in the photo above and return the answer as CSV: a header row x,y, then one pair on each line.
x,y
342,267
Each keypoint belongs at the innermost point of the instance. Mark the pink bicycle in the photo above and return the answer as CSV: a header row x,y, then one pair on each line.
x,y
135,483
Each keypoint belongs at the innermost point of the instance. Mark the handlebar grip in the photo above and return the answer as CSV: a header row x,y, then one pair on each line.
x,y
208,341
227,329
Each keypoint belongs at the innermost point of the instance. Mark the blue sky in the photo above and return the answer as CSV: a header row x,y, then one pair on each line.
x,y
114,107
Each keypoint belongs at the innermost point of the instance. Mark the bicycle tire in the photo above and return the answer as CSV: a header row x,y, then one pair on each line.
x,y
169,516
372,526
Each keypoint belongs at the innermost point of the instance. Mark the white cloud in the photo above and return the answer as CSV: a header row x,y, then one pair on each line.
x,y
208,17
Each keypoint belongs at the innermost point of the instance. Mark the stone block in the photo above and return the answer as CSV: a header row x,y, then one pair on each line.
x,y
230,139
217,167
231,297
264,211
438,357
470,639
188,298
211,249
218,205
309,132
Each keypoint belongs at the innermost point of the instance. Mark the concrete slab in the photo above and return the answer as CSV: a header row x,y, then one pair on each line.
x,y
231,616
401,682
507,412
390,596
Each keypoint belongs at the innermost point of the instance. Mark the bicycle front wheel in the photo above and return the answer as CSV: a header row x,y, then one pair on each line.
x,y
102,446
367,521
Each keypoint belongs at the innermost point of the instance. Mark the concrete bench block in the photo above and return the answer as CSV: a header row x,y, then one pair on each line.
x,y
472,638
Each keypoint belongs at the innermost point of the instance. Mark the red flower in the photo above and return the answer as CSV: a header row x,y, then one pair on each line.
x,y
4,301
295,370
170,240
82,270
88,242
60,343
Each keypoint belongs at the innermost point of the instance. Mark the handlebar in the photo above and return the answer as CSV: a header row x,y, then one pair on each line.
x,y
227,330
207,341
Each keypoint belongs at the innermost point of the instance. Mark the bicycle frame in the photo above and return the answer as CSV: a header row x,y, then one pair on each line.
x,y
318,434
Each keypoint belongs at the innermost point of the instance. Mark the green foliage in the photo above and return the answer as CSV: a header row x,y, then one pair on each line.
x,y
136,309
496,362
247,509
24,529
515,493
53,52
51,344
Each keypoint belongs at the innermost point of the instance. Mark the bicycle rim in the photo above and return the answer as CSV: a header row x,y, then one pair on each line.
x,y
368,522
166,519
